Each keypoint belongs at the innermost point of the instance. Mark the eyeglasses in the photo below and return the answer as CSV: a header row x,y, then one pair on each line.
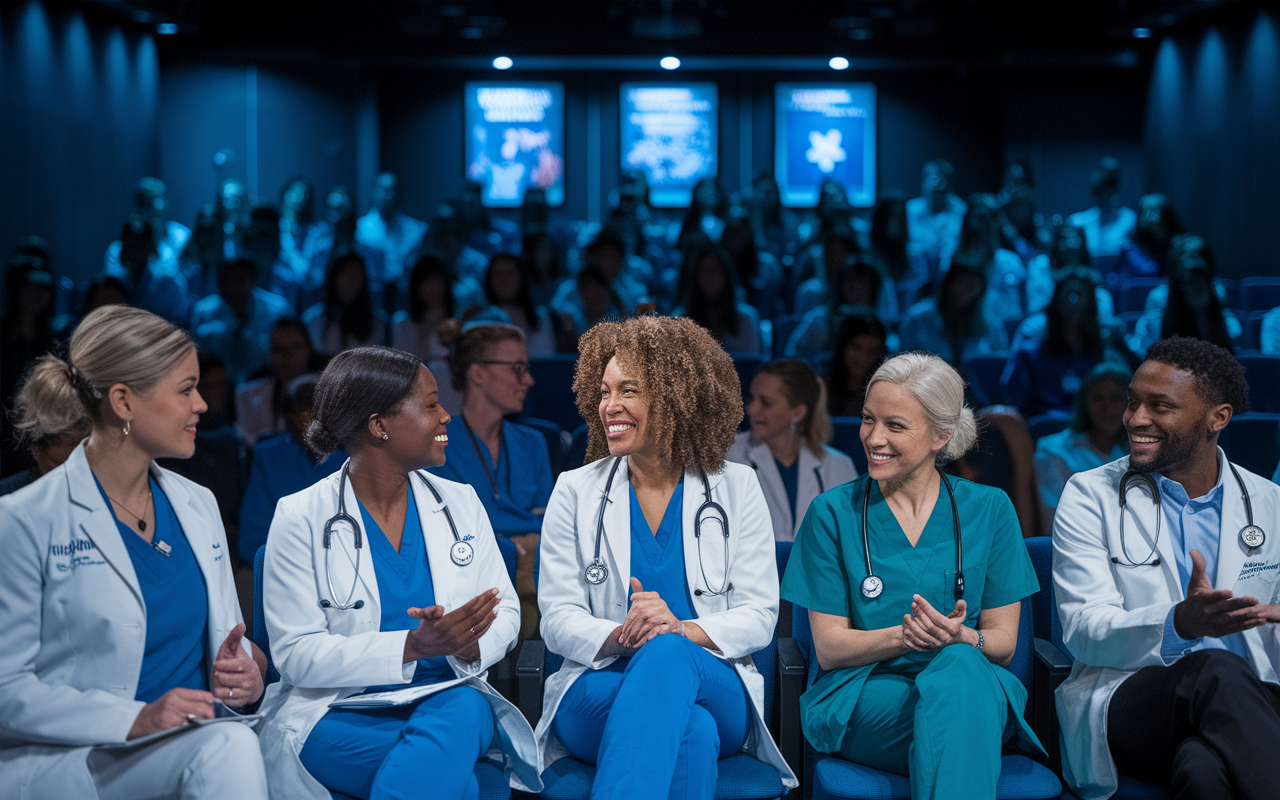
x,y
520,368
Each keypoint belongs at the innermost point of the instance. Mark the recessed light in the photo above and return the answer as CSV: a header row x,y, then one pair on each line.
x,y
839,62
670,62
502,62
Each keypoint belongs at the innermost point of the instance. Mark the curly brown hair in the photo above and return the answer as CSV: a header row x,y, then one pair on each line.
x,y
687,379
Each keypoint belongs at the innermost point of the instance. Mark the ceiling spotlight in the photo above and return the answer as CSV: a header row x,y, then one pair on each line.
x,y
167,28
670,62
502,62
839,62
1142,33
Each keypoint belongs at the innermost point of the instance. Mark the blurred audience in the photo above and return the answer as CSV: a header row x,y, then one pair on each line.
x,y
1191,303
236,322
1107,223
506,287
260,402
347,317
934,218
861,343
710,295
955,324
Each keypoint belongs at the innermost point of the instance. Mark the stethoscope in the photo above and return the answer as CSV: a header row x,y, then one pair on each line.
x,y
597,573
1251,536
873,585
461,553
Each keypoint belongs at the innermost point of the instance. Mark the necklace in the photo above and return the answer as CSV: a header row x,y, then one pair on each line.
x,y
162,548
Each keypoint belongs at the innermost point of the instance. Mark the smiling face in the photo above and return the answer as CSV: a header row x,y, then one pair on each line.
x,y
624,411
416,432
896,434
1169,424
503,385
771,414
164,418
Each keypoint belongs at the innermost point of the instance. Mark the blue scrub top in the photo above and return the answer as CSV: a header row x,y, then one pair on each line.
x,y
404,581
176,601
657,559
281,467
826,569
790,481
523,475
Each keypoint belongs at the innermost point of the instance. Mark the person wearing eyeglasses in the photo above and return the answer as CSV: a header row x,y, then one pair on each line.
x,y
506,463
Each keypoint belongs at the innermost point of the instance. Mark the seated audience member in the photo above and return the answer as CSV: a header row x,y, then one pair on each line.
x,y
447,241
1107,224
1044,376
1269,337
26,329
889,251
708,210
788,442
1144,254
120,617
390,231
1094,435
823,288
260,243
955,324
709,296
854,290
151,203
592,299
1022,226
760,272
543,265
934,219
156,285
773,225
483,232
236,322
337,233
1066,250
834,246
1195,305
607,255
299,230
347,317
911,661
103,290
506,463
980,243
431,302
232,210
47,428
1168,606
260,402
282,465
202,258
861,343
506,286
416,617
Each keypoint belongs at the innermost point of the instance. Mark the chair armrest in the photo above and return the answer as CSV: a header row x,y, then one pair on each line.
x,y
792,673
529,678
1051,668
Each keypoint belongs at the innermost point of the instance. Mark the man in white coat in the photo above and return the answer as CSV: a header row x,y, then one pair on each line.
x,y
1166,580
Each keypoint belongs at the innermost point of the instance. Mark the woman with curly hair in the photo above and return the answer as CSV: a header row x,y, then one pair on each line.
x,y
658,574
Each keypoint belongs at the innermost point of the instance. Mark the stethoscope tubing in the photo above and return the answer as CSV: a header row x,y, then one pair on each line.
x,y
955,523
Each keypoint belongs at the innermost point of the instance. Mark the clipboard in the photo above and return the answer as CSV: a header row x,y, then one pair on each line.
x,y
221,713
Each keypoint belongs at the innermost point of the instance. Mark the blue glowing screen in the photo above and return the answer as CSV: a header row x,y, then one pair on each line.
x,y
669,131
515,140
825,131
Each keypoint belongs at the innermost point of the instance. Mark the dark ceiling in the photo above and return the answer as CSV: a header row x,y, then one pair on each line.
x,y
1010,32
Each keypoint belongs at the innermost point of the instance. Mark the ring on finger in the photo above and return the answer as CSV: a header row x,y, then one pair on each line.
x,y
231,693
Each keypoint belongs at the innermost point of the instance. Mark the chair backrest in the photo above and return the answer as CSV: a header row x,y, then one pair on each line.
x,y
577,448
1253,444
1134,291
553,434
1047,424
1252,324
1259,293
984,374
1044,608
551,397
783,327
848,440
1263,374
259,633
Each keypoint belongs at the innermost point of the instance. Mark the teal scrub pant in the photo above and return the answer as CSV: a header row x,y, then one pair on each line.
x,y
656,726
425,750
944,728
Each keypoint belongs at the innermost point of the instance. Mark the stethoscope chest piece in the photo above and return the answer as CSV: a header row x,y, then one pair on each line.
x,y
597,572
462,553
1252,536
872,587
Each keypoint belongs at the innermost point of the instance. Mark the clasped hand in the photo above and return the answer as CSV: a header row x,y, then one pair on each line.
x,y
1217,612
647,618
924,629
454,634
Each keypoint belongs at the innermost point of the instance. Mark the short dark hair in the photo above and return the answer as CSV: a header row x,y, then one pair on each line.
x,y
1219,377
357,384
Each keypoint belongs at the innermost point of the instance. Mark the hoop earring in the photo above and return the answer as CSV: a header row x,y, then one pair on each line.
x,y
127,426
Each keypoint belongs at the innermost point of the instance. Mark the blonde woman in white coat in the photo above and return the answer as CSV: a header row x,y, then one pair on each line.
x,y
656,625
422,600
118,610
787,443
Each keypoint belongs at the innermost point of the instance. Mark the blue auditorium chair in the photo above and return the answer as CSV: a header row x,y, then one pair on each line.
x,y
557,447
1263,373
551,397
783,327
1133,293
493,783
1053,665
1252,442
741,777
1047,424
830,777
983,374
848,440
1252,324
1259,294
747,367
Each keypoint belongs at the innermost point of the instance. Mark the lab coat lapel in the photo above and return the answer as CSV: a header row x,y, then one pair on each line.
x,y
616,546
810,482
437,538
771,484
1231,551
96,520
207,550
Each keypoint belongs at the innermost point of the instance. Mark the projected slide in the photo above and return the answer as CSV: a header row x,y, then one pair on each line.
x,y
669,131
515,140
825,131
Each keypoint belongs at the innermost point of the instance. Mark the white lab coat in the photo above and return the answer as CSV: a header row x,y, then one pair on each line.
x,y
815,477
326,654
577,616
73,625
1113,616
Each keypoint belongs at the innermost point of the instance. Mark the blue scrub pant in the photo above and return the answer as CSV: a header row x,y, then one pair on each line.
x,y
944,728
425,750
655,726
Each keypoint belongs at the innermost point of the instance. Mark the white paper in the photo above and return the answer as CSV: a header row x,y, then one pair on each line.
x,y
399,697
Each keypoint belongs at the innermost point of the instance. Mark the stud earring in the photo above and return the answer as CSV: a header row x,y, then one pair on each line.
x,y
385,437
127,426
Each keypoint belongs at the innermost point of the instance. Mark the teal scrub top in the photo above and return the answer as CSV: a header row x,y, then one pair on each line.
x,y
826,569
